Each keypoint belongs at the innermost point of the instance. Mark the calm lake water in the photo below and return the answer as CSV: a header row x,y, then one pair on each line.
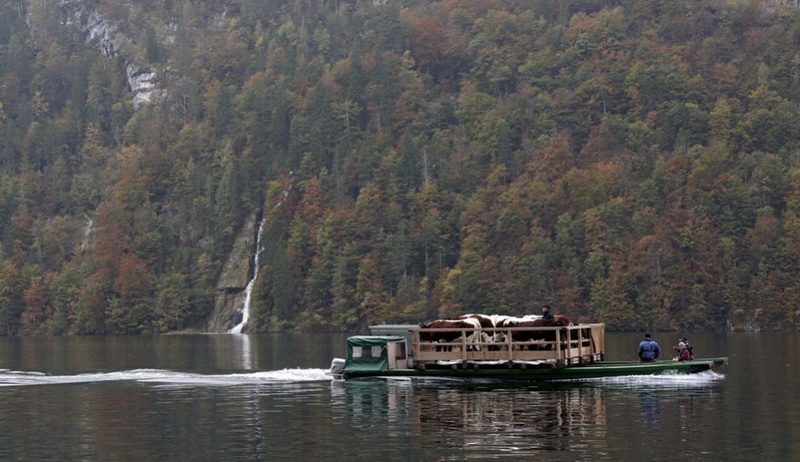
x,y
245,397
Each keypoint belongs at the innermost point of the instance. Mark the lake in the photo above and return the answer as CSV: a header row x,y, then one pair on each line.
x,y
245,397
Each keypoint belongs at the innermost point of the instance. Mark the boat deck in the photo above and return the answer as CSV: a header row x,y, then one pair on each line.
x,y
587,371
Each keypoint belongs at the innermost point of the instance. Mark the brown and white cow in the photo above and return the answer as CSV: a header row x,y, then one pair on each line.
x,y
486,322
511,321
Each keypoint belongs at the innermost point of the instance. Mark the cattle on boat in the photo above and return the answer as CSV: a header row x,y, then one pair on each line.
x,y
486,322
534,334
558,320
501,321
483,329
445,336
448,335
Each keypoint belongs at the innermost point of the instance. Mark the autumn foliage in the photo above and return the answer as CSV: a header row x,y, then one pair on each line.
x,y
629,162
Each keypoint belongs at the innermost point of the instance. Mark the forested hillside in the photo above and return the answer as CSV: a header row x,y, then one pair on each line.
x,y
634,162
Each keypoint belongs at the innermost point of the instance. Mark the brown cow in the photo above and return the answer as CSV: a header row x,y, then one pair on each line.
x,y
473,335
558,320
447,336
536,334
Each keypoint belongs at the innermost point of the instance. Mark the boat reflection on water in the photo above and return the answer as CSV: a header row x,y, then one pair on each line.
x,y
488,418
482,416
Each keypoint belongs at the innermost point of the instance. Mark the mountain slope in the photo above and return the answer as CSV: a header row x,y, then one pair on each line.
x,y
629,162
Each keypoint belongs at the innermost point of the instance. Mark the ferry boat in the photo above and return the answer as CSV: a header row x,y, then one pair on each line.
x,y
546,353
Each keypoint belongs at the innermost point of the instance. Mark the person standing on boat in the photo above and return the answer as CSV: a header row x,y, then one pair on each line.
x,y
648,349
546,314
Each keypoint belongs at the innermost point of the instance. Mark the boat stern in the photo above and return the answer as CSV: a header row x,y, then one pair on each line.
x,y
337,369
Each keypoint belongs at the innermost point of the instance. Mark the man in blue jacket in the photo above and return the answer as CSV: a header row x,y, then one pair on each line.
x,y
648,350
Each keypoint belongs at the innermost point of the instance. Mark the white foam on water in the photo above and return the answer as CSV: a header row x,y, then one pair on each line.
x,y
254,378
10,378
670,379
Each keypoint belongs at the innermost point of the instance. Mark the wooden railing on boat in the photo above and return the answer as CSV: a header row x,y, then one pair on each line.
x,y
558,346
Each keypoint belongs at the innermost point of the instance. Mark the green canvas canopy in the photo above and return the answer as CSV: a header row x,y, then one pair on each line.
x,y
368,353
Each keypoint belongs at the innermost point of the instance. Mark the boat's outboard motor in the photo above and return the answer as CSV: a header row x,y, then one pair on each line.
x,y
337,368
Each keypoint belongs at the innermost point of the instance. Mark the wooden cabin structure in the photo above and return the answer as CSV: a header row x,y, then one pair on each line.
x,y
558,346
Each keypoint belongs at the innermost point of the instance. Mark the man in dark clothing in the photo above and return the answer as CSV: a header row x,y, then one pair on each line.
x,y
546,314
648,350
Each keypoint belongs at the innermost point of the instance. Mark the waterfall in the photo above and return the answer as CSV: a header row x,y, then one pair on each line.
x,y
87,232
248,291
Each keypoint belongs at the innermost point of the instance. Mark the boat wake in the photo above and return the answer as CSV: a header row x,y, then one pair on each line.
x,y
10,378
664,380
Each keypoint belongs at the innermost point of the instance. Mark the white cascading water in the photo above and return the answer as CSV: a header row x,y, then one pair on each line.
x,y
248,291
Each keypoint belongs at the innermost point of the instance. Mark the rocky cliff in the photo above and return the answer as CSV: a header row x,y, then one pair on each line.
x,y
142,80
233,279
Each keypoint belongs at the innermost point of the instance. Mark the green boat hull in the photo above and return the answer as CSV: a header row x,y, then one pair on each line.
x,y
587,371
